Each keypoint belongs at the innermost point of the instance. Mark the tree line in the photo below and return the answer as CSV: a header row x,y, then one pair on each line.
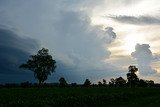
x,y
42,64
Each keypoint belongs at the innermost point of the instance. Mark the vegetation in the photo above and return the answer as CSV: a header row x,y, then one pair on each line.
x,y
87,82
132,77
133,92
120,82
62,82
79,97
41,64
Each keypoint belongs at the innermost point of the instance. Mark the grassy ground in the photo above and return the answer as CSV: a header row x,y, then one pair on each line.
x,y
79,97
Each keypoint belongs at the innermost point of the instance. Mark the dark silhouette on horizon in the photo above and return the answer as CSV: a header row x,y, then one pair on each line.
x,y
132,77
41,64
62,82
87,83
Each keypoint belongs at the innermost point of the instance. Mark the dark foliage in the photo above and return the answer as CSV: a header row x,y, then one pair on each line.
x,y
142,83
112,82
26,84
87,82
132,77
80,97
120,82
104,82
62,82
41,64
74,84
146,83
100,83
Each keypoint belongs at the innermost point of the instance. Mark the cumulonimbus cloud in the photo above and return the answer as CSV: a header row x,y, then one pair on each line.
x,y
81,46
144,57
65,28
14,51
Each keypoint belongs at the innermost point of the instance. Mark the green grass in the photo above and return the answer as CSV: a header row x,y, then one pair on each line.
x,y
79,97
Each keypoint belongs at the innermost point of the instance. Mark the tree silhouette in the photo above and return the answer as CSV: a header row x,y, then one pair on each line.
x,y
112,82
87,82
100,83
41,64
150,83
62,82
142,83
146,83
132,77
104,82
120,82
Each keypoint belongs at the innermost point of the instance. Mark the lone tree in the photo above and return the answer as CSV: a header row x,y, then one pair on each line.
x,y
132,77
87,82
41,64
62,82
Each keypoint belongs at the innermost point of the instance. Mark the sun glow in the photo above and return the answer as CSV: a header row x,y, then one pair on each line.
x,y
130,42
128,39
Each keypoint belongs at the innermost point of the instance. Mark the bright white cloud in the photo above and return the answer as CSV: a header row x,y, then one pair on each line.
x,y
144,58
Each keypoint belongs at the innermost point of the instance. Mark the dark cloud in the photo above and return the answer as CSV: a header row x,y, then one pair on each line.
x,y
77,74
144,57
14,50
140,20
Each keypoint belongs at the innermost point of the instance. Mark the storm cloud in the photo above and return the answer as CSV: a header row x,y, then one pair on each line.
x,y
14,51
78,48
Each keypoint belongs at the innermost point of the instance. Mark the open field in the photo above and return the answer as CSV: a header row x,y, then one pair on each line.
x,y
79,97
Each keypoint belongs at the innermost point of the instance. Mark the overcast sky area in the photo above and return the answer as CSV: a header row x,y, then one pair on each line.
x,y
94,39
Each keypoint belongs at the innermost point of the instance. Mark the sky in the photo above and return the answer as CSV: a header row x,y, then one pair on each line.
x,y
94,39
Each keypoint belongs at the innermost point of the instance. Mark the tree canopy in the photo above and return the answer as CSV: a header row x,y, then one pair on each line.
x,y
132,77
87,82
62,82
41,64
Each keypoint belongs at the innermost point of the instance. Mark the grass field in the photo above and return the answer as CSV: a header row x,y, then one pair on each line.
x,y
79,97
